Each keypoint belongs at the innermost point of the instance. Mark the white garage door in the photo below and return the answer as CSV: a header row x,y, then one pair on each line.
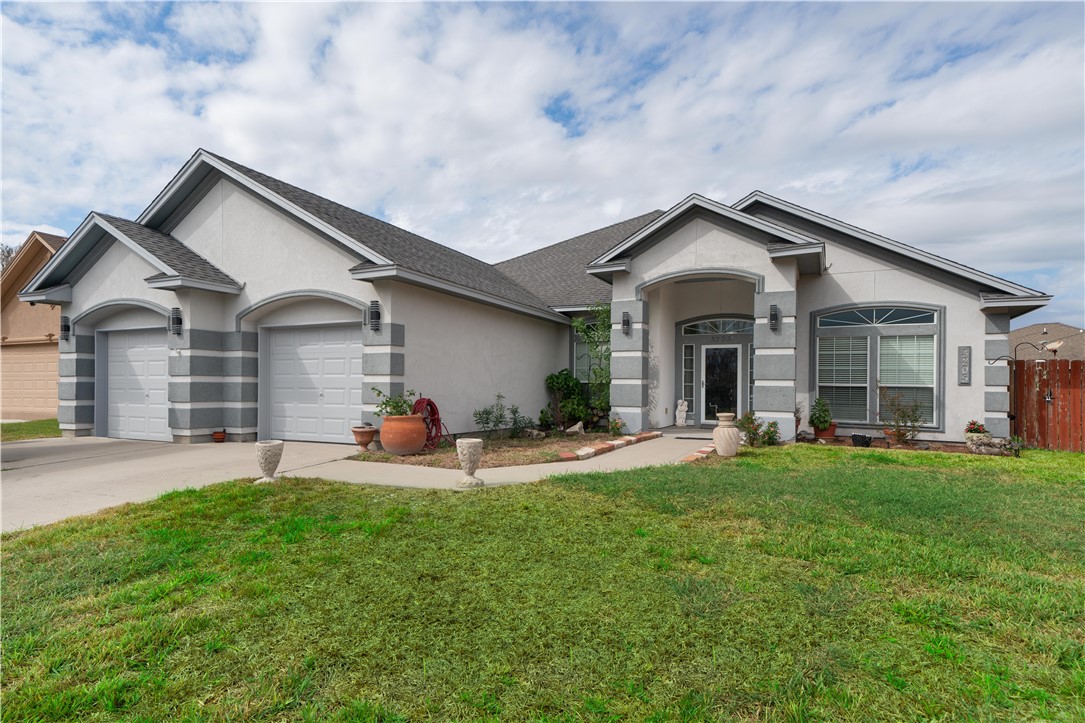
x,y
316,383
138,385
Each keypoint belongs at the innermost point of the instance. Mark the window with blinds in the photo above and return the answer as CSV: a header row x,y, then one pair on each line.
x,y
842,376
906,365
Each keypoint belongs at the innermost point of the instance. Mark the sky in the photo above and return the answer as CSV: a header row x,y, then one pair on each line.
x,y
501,128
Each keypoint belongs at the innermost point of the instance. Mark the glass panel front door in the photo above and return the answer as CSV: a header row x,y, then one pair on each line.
x,y
720,381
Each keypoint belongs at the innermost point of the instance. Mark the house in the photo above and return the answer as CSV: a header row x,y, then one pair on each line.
x,y
236,301
1027,340
28,347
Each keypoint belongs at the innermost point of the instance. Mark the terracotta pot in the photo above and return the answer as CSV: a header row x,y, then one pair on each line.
x,y
403,435
363,436
827,433
219,436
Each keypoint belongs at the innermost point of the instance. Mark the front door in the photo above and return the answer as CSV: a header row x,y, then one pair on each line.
x,y
721,380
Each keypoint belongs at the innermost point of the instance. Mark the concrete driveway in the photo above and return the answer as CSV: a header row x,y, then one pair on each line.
x,y
45,480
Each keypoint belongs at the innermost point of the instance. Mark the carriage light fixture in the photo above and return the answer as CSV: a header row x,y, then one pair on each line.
x,y
627,323
65,328
176,325
374,316
774,317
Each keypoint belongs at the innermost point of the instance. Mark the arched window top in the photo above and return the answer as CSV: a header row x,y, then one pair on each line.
x,y
876,316
718,326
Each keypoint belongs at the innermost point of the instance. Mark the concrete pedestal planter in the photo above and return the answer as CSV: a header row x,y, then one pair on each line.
x,y
726,435
469,452
976,436
363,436
403,435
269,453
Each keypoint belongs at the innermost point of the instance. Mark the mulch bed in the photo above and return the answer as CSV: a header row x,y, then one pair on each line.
x,y
497,452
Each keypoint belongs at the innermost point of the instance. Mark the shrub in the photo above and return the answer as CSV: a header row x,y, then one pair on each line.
x,y
394,405
820,414
595,332
568,405
490,419
750,426
517,422
902,417
616,426
771,436
546,419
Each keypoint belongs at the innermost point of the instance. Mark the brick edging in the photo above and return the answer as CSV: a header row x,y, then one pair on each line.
x,y
603,447
699,454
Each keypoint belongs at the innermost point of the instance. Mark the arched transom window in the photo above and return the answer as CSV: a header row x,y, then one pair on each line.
x,y
718,326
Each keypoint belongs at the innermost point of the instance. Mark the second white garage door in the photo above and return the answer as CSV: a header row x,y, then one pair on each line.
x,y
139,385
316,383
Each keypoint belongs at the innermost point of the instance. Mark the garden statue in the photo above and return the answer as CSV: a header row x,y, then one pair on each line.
x,y
680,413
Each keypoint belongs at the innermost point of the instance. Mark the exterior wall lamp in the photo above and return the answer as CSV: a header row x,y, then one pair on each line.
x,y
65,328
374,316
627,323
176,322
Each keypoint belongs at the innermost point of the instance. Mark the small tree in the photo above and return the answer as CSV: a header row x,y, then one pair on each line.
x,y
7,253
594,331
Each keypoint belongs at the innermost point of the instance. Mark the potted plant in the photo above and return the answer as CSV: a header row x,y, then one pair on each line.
x,y
974,430
821,419
401,431
364,434
902,417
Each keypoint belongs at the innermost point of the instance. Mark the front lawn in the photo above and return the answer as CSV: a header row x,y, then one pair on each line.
x,y
794,583
29,430
497,452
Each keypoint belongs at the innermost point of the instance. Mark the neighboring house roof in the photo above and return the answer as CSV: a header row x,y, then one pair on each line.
x,y
53,241
18,266
22,324
556,273
1072,338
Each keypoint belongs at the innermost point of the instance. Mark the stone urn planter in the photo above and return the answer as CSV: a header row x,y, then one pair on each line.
x,y
269,453
403,435
470,453
726,435
363,435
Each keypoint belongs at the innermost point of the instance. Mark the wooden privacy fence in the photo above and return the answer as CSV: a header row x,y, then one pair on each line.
x,y
1060,422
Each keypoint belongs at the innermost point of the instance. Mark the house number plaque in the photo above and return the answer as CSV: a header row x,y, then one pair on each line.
x,y
964,366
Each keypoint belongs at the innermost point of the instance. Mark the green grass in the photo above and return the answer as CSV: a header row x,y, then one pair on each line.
x,y
29,430
796,583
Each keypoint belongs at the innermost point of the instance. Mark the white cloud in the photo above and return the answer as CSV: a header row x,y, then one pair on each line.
x,y
956,128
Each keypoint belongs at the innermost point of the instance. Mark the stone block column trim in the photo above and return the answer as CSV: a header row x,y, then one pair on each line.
x,y
629,364
996,375
75,385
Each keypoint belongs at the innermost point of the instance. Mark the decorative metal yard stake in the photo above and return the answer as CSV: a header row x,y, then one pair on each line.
x,y
268,454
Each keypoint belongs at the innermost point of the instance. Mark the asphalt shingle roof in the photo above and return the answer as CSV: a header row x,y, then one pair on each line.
x,y
52,240
557,274
180,258
404,248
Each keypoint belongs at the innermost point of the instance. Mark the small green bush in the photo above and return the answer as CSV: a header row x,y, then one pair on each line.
x,y
820,414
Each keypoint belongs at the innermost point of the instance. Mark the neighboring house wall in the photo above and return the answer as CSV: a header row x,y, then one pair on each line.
x,y
28,351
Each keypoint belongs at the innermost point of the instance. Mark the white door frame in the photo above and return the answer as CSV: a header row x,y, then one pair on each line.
x,y
702,417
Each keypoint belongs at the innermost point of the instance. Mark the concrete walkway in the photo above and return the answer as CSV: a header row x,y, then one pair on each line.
x,y
45,480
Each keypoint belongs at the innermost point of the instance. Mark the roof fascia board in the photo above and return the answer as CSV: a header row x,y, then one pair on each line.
x,y
260,191
184,282
397,273
804,250
611,267
190,202
570,309
697,200
1037,301
945,264
53,295
73,241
